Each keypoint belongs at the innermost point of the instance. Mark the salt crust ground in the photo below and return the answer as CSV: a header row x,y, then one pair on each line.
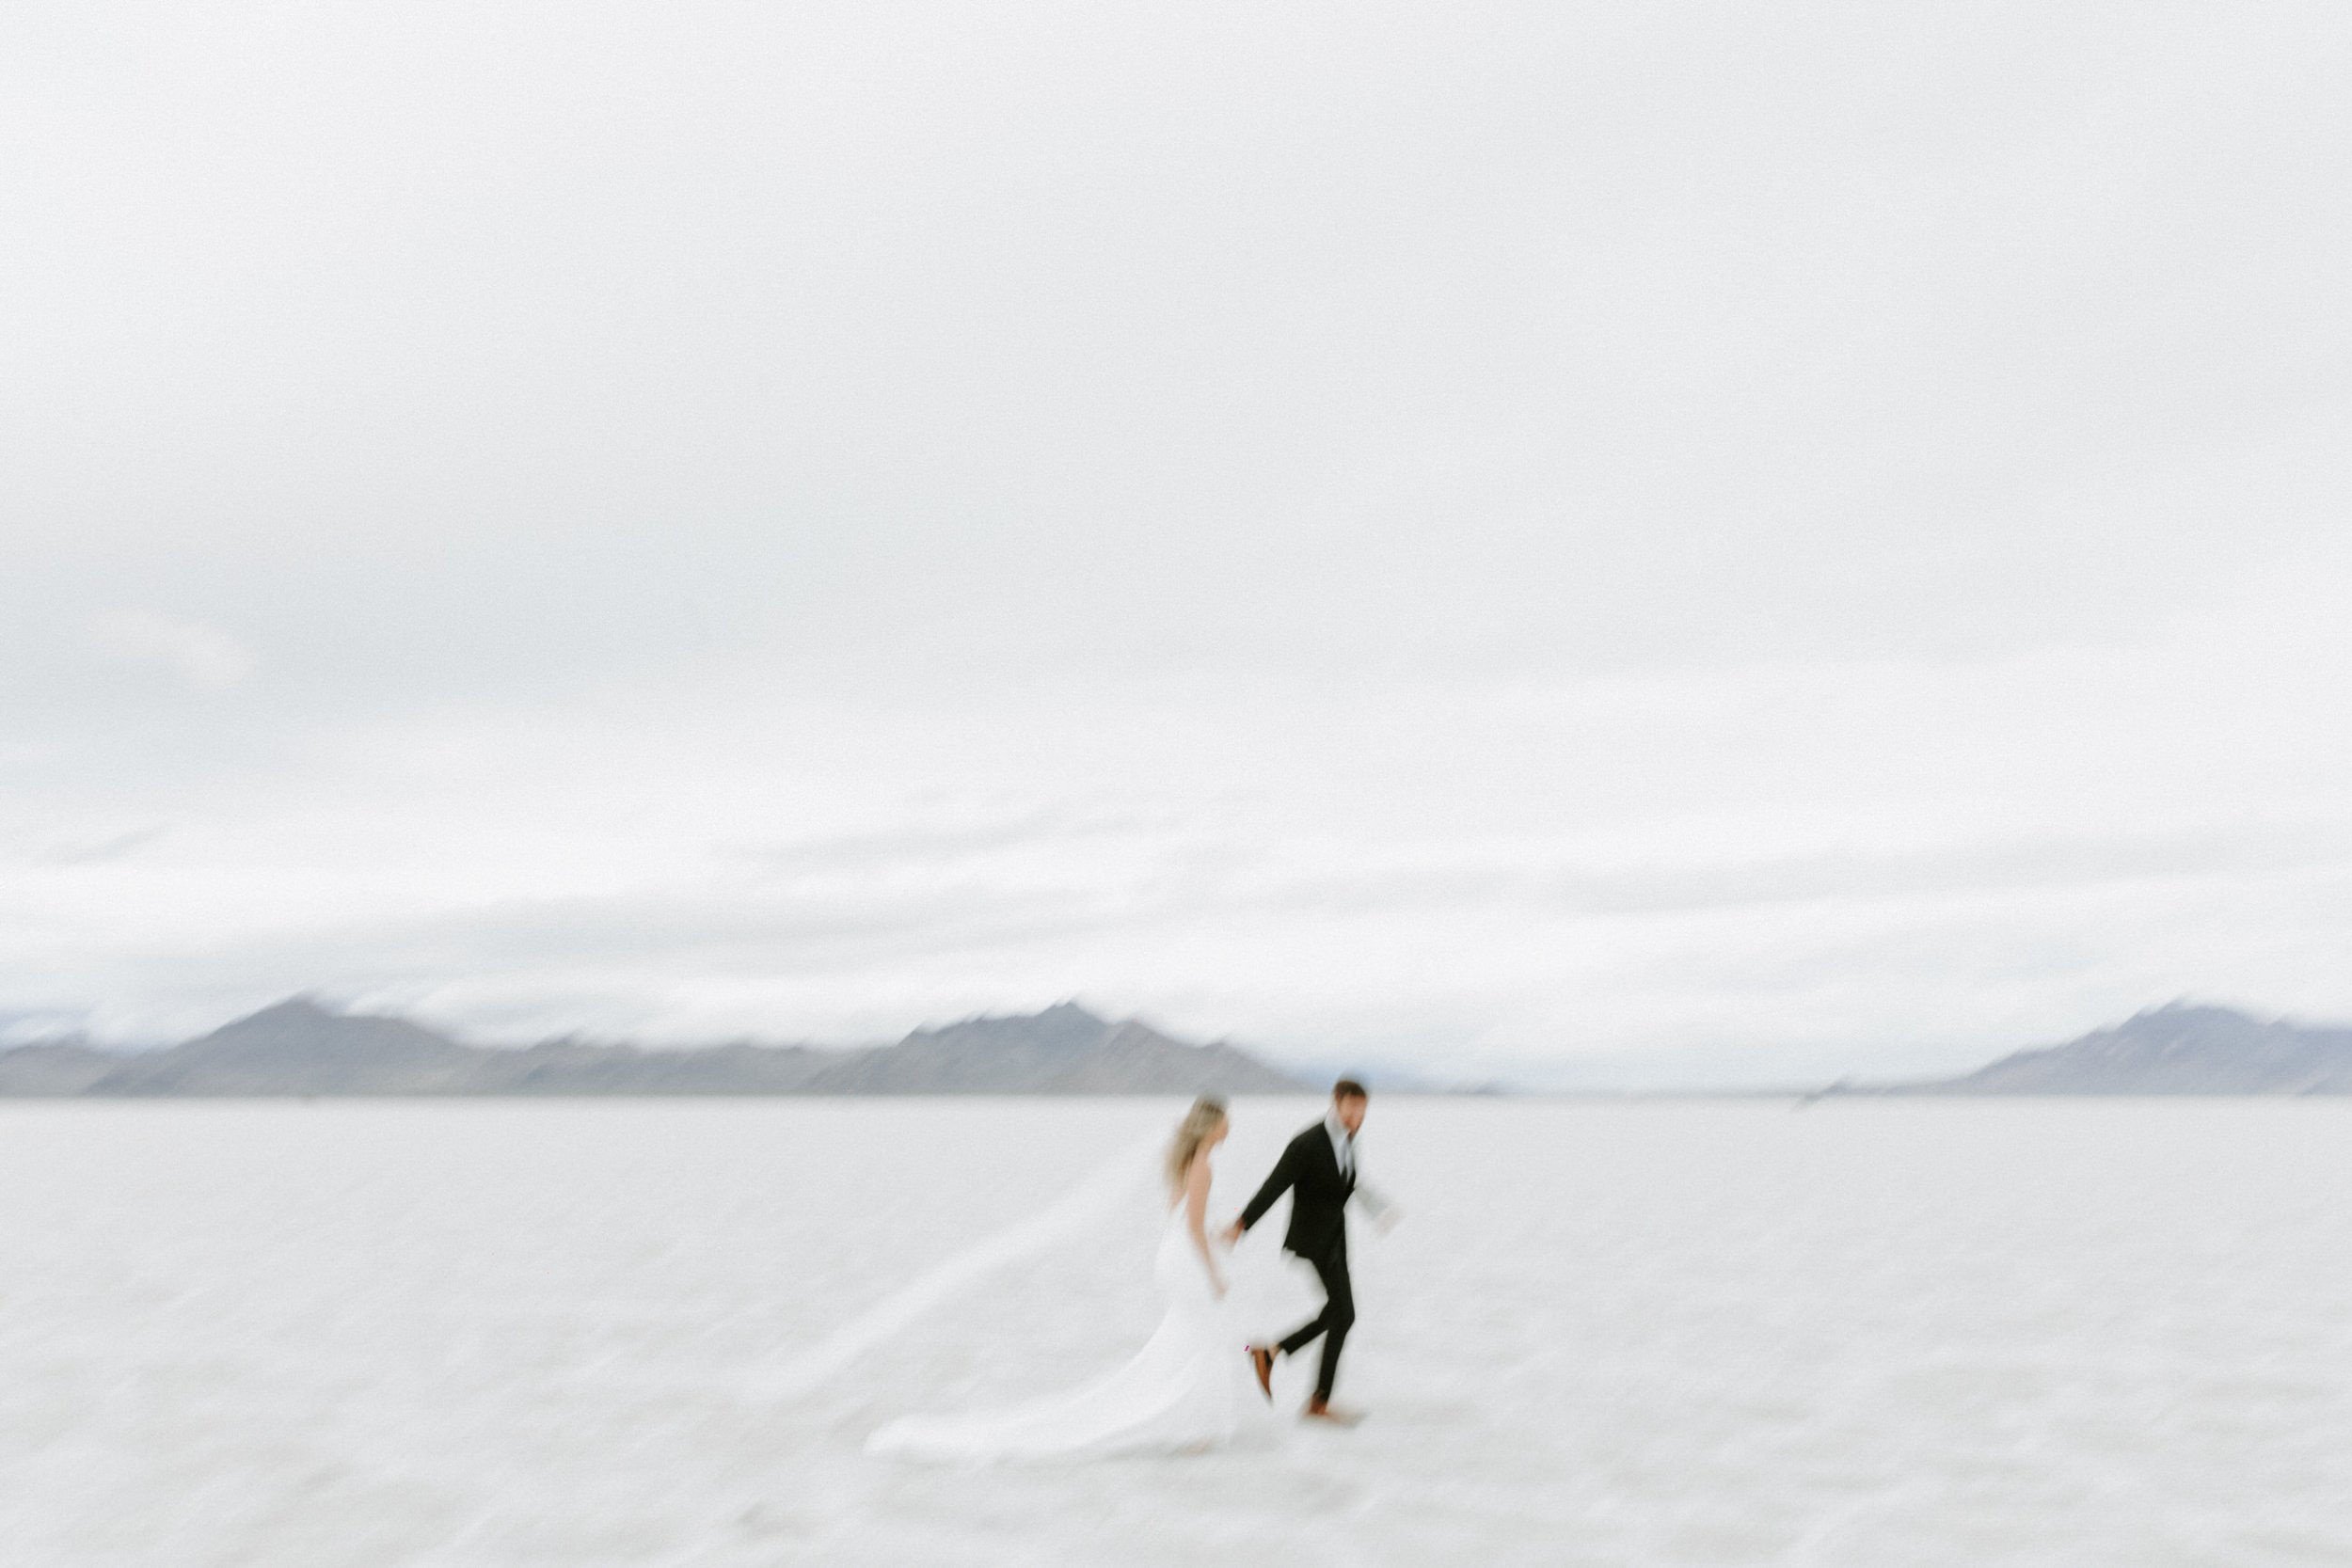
x,y
310,1335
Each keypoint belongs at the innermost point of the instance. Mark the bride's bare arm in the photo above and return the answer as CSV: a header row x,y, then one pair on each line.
x,y
1197,1218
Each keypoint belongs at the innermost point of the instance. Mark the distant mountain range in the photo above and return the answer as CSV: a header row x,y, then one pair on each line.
x,y
300,1047
2182,1049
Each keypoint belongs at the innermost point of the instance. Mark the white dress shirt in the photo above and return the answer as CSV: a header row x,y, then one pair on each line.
x,y
1344,1150
1342,1141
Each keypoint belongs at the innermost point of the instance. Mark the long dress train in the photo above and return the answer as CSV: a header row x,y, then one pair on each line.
x,y
1189,1387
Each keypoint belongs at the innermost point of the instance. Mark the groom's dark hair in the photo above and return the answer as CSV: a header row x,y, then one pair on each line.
x,y
1347,1088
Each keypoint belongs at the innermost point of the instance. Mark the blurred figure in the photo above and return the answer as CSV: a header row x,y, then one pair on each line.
x,y
1318,1169
1182,1391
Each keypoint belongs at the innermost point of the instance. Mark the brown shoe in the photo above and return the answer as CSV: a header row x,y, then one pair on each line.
x,y
1322,1410
1262,1362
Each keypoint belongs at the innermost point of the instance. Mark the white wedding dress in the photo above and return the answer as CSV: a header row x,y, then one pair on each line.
x,y
1190,1388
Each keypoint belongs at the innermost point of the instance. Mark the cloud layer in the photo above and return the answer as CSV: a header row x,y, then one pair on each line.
x,y
1753,543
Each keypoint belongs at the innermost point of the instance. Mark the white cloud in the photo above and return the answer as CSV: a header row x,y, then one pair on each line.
x,y
195,655
1491,535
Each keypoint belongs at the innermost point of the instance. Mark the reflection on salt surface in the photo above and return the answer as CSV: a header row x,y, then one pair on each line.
x,y
501,1335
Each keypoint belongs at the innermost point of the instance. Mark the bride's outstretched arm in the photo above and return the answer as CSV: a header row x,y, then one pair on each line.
x,y
1197,1219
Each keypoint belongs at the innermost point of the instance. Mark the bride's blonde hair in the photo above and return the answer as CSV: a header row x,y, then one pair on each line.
x,y
1207,1113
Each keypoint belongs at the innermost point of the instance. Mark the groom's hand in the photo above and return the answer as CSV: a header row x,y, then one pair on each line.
x,y
1232,1233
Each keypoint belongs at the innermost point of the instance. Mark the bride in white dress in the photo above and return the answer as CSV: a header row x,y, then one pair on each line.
x,y
1189,1388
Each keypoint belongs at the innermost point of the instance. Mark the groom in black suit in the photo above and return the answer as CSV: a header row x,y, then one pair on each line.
x,y
1318,1170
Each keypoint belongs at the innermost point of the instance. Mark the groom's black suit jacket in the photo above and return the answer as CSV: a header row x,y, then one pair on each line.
x,y
1309,1171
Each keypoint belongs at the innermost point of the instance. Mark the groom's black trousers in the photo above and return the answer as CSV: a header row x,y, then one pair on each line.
x,y
1333,1322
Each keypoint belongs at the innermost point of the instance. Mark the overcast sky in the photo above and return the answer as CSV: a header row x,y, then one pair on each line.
x,y
1629,543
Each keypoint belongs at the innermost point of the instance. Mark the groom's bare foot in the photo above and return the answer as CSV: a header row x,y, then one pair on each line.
x,y
1262,1362
1323,1410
